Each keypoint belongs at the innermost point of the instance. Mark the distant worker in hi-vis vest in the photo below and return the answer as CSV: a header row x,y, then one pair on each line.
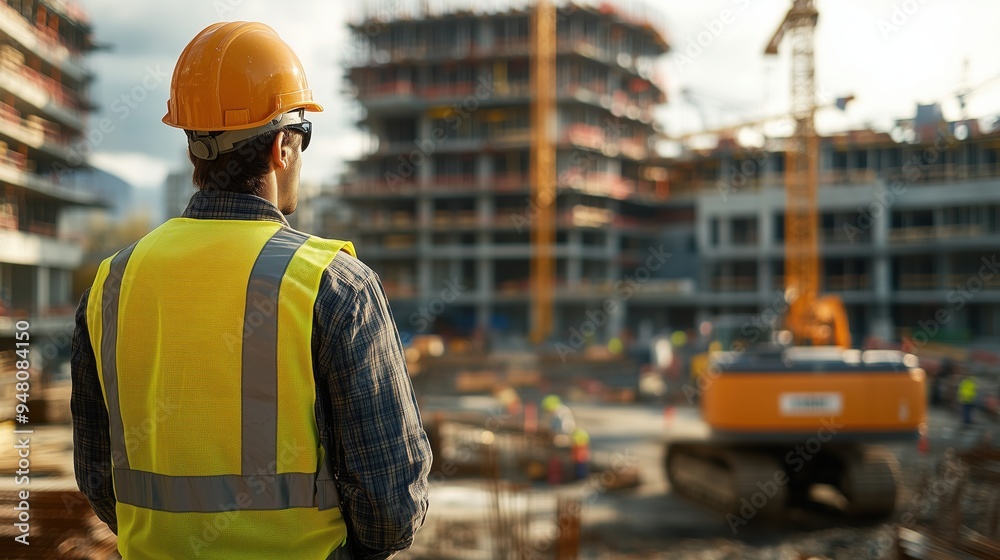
x,y
967,398
239,387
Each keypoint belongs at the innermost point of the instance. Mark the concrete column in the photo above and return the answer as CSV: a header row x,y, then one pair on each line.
x,y
726,276
612,246
616,319
702,228
611,249
425,214
484,289
484,171
881,322
943,265
483,314
455,270
486,209
614,77
614,167
65,288
574,262
764,279
484,277
725,229
465,30
425,273
484,34
960,319
423,75
425,171
42,288
765,229
705,276
425,277
765,226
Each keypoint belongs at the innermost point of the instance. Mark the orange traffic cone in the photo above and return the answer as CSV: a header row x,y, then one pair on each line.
x,y
669,413
530,418
924,444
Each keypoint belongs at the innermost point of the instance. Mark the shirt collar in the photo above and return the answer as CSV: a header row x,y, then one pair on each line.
x,y
225,205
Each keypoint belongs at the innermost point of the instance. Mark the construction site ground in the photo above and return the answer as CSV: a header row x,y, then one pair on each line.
x,y
650,522
641,522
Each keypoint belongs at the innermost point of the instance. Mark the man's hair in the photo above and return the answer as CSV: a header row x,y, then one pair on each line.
x,y
243,169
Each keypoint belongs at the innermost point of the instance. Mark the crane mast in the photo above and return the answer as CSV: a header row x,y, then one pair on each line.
x,y
801,173
543,168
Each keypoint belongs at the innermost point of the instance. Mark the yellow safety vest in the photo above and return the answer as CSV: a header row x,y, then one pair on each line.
x,y
967,391
202,334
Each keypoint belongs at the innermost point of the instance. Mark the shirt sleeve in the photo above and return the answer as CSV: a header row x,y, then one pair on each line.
x,y
380,450
91,437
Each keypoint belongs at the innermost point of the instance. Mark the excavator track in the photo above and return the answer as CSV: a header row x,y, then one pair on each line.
x,y
740,478
869,480
722,478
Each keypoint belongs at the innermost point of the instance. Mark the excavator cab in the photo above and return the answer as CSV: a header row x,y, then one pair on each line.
x,y
730,333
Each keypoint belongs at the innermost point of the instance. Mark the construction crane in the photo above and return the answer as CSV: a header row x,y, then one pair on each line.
x,y
543,168
810,318
760,402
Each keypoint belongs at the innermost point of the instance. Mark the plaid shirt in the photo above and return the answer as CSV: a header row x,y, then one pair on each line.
x,y
365,407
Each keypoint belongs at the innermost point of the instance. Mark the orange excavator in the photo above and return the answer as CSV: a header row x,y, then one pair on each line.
x,y
803,409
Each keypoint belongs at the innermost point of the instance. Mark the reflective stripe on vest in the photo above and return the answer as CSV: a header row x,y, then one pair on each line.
x,y
109,343
259,408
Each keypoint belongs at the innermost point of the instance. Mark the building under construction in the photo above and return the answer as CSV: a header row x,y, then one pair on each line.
x,y
43,116
442,206
908,224
441,202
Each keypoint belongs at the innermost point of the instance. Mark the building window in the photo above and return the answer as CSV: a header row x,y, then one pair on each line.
x,y
713,232
776,163
912,218
744,231
839,160
861,159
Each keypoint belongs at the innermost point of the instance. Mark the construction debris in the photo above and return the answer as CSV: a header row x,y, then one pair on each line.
x,y
963,520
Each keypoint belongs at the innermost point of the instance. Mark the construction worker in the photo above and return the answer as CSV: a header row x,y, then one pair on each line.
x,y
557,423
967,398
239,387
557,418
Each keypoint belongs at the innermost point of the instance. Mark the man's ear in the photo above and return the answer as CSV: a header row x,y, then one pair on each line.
x,y
280,155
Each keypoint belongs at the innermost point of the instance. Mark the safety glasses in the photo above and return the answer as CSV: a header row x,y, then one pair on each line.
x,y
306,128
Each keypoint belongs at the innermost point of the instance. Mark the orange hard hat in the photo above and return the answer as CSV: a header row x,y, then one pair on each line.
x,y
235,76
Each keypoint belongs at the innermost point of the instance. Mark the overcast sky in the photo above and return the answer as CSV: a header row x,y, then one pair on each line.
x,y
890,54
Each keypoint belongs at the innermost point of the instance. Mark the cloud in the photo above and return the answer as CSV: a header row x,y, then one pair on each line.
x,y
138,169
921,62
